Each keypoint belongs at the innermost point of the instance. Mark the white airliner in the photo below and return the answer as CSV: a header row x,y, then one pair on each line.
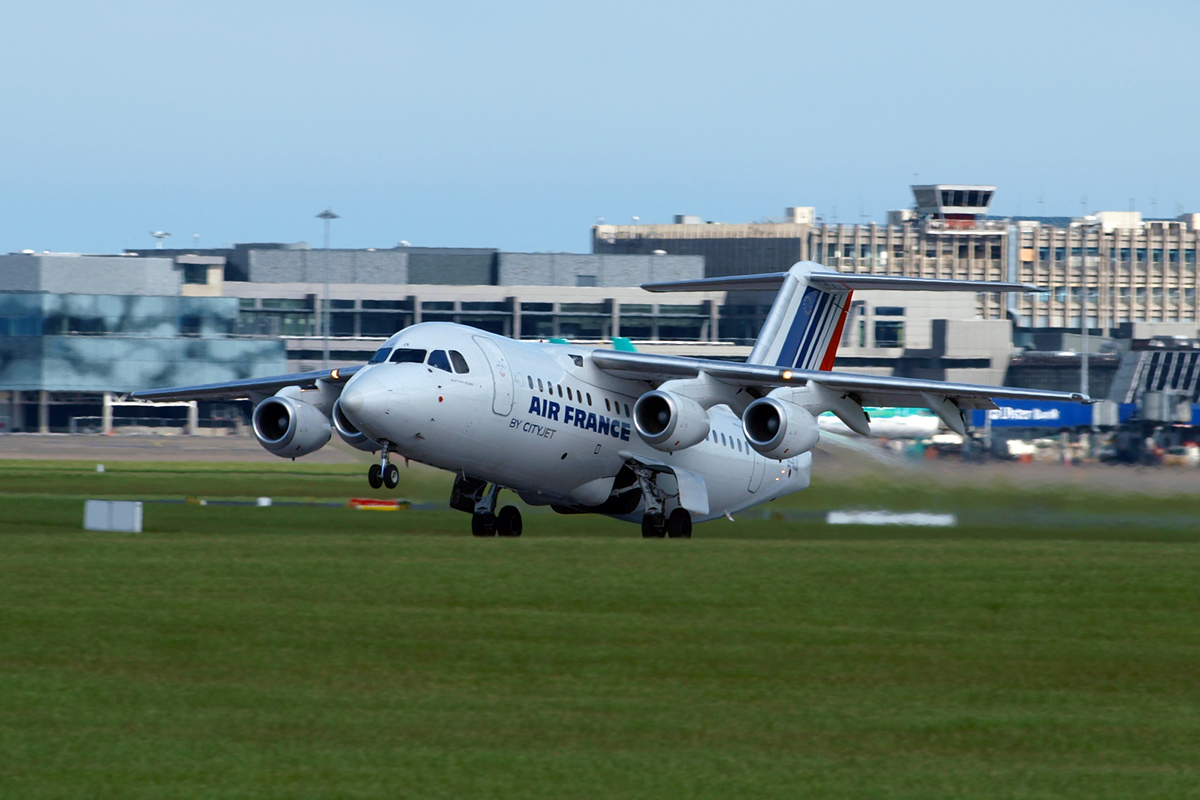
x,y
663,440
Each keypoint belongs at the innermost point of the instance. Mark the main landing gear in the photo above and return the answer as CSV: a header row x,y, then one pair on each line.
x,y
473,496
656,524
677,525
384,473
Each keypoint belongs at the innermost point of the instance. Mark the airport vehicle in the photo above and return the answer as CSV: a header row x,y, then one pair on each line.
x,y
660,440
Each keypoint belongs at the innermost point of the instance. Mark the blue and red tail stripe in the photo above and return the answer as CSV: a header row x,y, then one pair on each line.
x,y
814,333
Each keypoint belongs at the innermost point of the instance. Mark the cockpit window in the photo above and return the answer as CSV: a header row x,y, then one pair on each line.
x,y
380,355
460,363
438,359
404,355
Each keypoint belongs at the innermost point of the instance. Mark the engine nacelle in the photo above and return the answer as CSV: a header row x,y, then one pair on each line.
x,y
350,434
289,428
779,429
669,421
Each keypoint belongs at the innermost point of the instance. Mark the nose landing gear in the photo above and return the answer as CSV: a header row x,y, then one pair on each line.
x,y
383,473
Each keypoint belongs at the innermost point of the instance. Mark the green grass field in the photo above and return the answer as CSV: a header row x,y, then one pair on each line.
x,y
1048,646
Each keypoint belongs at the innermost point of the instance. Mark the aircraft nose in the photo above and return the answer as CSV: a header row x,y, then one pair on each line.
x,y
353,399
365,401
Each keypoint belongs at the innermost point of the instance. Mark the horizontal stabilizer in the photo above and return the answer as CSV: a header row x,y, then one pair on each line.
x,y
826,279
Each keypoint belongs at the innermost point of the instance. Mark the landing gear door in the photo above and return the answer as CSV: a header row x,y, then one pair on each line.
x,y
502,377
756,475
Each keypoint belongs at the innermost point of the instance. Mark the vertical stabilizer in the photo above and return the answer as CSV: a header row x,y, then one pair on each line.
x,y
805,324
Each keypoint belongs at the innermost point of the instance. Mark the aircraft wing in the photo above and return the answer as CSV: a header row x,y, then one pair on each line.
x,y
243,389
867,390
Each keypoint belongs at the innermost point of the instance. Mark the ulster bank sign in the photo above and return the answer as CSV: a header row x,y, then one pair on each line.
x,y
1034,414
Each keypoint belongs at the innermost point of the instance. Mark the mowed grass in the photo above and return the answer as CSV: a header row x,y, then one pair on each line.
x,y
298,651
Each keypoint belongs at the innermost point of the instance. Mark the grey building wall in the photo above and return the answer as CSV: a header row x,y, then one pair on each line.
x,y
567,269
440,266
345,266
71,274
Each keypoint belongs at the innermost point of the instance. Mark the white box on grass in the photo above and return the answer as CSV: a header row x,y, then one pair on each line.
x,y
113,515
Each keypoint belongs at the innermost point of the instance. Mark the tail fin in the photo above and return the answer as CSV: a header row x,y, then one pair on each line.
x,y
805,324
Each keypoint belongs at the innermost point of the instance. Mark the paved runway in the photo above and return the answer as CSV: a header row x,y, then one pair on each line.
x,y
832,464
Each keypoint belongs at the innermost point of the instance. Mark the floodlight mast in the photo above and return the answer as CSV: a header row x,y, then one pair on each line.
x,y
160,235
328,216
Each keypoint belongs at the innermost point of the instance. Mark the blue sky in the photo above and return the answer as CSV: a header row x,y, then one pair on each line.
x,y
518,125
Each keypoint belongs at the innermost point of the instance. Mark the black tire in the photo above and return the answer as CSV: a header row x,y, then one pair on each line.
x,y
375,476
652,526
508,521
391,476
679,524
483,524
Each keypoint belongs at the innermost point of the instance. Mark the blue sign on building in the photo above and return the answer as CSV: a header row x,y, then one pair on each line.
x,y
1034,414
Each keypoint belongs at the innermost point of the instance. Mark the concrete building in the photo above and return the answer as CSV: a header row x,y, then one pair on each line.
x,y
1122,268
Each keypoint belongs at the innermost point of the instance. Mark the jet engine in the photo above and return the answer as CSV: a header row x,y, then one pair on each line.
x,y
669,421
778,429
350,434
289,428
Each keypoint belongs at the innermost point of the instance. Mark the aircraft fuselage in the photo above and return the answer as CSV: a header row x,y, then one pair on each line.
x,y
539,419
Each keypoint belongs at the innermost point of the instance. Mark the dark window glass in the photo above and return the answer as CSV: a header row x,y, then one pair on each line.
x,y
380,355
889,334
460,363
438,359
607,407
627,410
889,311
399,305
530,381
589,396
540,387
404,355
560,391
195,273
722,438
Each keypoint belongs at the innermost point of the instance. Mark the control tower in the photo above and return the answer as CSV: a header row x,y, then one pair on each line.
x,y
954,205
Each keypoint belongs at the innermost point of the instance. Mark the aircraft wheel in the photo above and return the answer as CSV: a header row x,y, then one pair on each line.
x,y
391,476
483,524
652,526
679,524
375,476
508,521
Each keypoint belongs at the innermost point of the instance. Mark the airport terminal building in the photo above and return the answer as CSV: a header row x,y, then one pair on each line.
x,y
77,332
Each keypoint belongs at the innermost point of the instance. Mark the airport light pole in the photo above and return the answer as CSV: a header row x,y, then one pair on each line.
x,y
328,216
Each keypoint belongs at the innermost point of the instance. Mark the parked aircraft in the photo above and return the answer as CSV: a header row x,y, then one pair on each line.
x,y
890,423
660,440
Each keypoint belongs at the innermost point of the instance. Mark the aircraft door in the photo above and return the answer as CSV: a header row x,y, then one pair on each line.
x,y
757,471
502,377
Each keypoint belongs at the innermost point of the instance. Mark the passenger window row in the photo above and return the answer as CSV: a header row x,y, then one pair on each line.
x,y
732,443
573,394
